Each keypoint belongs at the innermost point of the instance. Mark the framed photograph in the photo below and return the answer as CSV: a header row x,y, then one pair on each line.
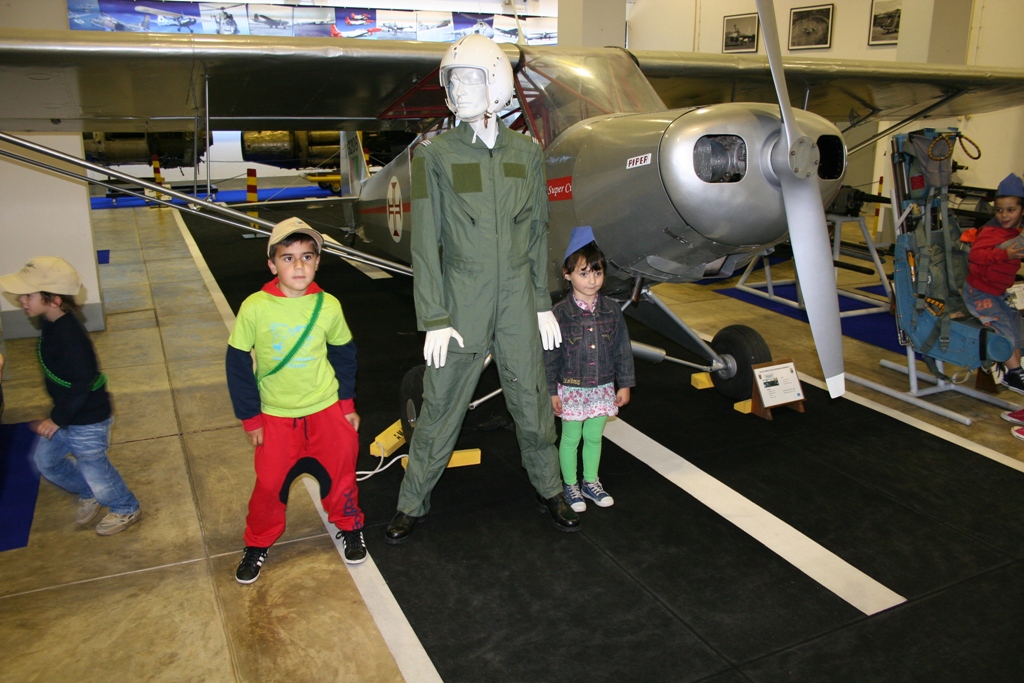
x,y
885,22
810,28
739,33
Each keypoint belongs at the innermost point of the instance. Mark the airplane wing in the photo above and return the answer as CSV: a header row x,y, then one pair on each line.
x,y
93,81
850,91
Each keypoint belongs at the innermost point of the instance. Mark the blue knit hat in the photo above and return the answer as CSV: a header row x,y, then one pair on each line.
x,y
1011,186
581,237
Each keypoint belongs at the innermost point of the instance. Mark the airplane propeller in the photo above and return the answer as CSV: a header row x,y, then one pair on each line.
x,y
794,160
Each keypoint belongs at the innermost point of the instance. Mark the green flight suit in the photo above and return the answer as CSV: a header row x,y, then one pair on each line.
x,y
479,253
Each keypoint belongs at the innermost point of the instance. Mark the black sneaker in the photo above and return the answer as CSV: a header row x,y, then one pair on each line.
x,y
1014,380
353,546
249,568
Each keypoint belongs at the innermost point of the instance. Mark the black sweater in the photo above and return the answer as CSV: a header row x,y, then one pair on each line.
x,y
68,353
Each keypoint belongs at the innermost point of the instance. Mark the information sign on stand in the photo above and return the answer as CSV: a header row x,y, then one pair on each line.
x,y
776,384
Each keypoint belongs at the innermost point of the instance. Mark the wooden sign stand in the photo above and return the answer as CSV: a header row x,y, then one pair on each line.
x,y
775,384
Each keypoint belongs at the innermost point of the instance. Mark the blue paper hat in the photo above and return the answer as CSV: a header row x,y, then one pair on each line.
x,y
1011,186
581,237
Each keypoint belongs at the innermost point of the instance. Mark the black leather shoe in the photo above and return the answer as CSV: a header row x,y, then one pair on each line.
x,y
562,516
399,528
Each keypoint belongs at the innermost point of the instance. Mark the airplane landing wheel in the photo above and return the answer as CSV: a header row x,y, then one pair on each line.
x,y
410,396
743,348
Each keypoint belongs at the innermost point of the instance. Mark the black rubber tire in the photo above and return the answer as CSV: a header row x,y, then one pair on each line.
x,y
747,348
410,396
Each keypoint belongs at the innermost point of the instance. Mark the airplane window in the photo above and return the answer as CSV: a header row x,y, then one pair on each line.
x,y
560,90
720,158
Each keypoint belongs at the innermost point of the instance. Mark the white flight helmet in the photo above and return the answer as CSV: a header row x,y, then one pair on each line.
x,y
483,53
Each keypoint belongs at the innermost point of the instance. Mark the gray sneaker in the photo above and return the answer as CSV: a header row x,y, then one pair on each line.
x,y
114,523
88,508
593,491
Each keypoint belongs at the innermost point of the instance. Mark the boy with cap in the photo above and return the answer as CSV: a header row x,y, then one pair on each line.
x,y
298,408
80,421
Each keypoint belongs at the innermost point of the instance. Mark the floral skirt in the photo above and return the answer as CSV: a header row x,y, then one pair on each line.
x,y
582,403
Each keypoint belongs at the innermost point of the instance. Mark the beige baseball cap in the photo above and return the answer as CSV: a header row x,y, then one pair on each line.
x,y
290,226
44,274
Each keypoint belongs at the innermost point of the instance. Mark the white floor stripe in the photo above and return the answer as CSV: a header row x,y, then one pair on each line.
x,y
372,272
843,579
405,647
204,270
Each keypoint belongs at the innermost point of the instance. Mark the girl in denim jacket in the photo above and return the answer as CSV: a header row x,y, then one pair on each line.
x,y
583,373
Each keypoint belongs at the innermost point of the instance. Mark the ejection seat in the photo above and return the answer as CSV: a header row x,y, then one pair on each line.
x,y
930,264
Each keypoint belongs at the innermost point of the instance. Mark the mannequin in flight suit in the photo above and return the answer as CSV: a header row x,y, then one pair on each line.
x,y
479,248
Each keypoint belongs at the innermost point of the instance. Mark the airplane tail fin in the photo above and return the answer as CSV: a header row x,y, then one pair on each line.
x,y
353,167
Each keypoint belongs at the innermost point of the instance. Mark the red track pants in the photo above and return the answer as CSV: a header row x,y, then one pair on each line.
x,y
323,445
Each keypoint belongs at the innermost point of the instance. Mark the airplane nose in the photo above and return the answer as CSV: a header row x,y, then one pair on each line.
x,y
711,171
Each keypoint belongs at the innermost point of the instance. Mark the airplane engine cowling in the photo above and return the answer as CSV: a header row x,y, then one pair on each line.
x,y
715,165
672,195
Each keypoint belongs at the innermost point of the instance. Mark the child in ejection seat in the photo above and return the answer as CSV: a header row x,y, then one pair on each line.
x,y
590,375
993,262
994,259
298,408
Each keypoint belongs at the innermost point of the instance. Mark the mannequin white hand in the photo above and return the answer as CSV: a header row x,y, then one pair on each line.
x,y
550,333
435,349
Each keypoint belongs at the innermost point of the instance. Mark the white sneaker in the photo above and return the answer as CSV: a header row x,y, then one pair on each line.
x,y
88,508
115,523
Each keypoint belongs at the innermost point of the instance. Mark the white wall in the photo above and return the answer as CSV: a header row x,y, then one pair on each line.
x,y
939,31
54,221
996,40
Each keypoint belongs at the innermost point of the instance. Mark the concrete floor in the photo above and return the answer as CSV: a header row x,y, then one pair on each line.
x,y
159,601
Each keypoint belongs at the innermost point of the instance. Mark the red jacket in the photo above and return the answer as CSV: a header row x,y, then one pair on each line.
x,y
989,268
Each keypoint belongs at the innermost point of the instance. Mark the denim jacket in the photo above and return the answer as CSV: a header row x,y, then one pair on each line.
x,y
595,347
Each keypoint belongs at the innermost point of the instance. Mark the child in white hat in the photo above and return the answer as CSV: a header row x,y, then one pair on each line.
x,y
79,423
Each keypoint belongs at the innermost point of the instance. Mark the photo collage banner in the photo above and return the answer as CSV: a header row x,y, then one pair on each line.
x,y
213,18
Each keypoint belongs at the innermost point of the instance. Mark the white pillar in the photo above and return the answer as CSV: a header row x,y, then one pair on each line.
x,y
46,214
594,23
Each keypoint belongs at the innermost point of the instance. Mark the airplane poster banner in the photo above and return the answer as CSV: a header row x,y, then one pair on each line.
x,y
213,18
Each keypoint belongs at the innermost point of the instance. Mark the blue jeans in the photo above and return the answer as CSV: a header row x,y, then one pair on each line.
x,y
90,474
995,312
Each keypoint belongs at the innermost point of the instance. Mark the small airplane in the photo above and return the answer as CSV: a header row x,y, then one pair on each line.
x,y
354,19
354,33
541,37
435,25
395,27
78,18
165,18
735,38
270,22
109,23
889,22
507,33
678,180
481,28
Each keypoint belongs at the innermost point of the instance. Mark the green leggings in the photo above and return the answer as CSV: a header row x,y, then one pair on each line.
x,y
591,430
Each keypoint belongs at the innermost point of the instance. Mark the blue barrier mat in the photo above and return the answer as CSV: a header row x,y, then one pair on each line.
x,y
19,485
878,329
226,196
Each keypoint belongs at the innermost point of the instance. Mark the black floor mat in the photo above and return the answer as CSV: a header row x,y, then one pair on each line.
x,y
659,587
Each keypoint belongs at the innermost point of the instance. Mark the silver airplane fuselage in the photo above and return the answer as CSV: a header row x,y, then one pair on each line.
x,y
672,195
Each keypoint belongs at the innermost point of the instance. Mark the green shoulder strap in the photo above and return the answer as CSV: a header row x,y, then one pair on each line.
x,y
300,341
100,380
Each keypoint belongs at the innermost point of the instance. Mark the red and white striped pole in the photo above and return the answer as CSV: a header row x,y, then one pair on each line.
x,y
876,231
251,193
